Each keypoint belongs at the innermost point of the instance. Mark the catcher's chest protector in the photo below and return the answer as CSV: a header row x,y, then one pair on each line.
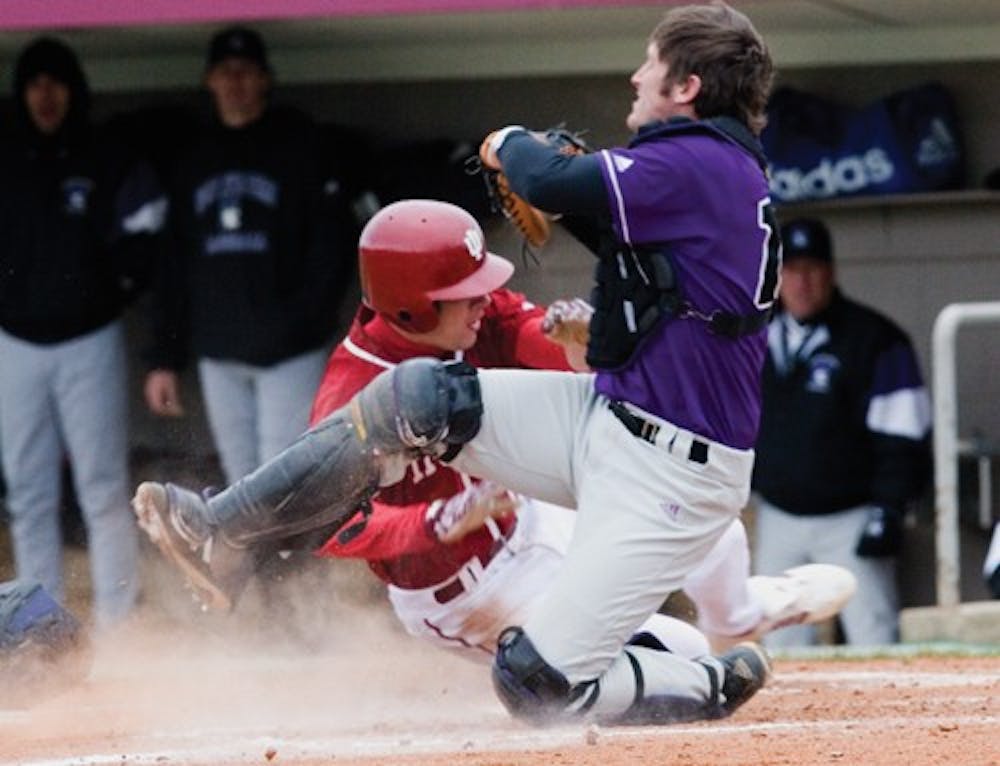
x,y
43,648
633,288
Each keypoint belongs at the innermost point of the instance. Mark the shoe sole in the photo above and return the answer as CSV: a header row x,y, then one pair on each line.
x,y
151,521
808,615
804,616
833,606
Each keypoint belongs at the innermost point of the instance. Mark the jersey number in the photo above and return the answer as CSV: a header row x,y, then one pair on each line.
x,y
429,468
769,278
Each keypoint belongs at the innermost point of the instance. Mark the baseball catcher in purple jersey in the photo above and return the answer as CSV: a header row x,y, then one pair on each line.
x,y
654,449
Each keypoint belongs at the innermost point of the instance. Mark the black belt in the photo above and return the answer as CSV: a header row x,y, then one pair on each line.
x,y
647,431
455,587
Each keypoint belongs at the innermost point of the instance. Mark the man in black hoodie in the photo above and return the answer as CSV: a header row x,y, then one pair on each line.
x,y
77,219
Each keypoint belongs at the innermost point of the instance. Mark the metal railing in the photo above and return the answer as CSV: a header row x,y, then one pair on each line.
x,y
947,446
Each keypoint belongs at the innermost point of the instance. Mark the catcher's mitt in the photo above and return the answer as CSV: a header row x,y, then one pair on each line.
x,y
527,219
532,223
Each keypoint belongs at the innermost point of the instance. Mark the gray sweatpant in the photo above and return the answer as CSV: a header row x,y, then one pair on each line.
x,y
255,412
68,400
785,540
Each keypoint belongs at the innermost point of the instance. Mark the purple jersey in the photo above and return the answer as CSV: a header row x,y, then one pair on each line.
x,y
704,200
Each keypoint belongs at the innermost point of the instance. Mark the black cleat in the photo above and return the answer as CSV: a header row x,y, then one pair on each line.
x,y
747,668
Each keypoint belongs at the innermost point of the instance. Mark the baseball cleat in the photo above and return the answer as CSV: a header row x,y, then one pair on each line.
x,y
747,669
803,594
215,570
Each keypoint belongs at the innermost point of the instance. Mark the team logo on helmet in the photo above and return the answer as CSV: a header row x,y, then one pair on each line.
x,y
474,242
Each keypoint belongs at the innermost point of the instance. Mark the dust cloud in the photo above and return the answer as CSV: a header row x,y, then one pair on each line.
x,y
317,654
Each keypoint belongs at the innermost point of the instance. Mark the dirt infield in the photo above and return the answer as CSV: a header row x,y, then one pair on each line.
x,y
159,695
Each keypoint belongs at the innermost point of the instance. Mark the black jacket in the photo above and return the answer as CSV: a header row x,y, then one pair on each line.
x,y
77,216
263,246
847,420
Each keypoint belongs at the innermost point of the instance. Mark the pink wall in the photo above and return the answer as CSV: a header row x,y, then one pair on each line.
x,y
61,14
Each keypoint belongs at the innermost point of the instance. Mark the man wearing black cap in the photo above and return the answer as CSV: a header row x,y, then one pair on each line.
x,y
77,219
265,250
843,443
265,253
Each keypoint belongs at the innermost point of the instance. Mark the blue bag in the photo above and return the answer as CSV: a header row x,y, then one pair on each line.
x,y
907,142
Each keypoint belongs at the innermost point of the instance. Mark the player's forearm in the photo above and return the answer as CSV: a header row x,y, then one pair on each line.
x,y
553,181
388,532
535,351
901,470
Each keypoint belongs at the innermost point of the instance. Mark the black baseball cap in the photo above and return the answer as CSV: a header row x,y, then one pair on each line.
x,y
806,238
237,42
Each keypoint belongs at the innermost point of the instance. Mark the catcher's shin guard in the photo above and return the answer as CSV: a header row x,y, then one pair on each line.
x,y
422,405
526,684
320,480
43,649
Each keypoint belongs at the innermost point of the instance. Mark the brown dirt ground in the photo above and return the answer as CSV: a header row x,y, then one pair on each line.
x,y
327,678
222,693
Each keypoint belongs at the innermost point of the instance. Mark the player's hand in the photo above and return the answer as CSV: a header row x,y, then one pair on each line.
x,y
567,322
452,519
491,145
882,534
162,394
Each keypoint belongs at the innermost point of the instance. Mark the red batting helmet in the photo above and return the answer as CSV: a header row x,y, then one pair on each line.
x,y
418,251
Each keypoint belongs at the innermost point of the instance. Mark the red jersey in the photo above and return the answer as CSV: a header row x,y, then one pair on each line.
x,y
394,537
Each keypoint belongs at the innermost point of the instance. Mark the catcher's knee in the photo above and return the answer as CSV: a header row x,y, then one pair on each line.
x,y
422,404
43,649
526,684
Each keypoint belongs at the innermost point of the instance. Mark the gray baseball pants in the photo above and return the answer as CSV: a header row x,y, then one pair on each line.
x,y
68,400
255,412
785,540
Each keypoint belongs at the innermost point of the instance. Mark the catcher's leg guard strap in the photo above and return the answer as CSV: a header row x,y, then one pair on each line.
x,y
526,684
322,479
422,404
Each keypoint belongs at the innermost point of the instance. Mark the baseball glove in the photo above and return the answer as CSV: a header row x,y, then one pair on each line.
x,y
527,219
532,223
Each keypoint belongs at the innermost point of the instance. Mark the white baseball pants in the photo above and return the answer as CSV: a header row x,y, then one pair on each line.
x,y
647,515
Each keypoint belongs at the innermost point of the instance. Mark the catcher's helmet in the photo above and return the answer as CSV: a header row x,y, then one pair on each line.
x,y
418,251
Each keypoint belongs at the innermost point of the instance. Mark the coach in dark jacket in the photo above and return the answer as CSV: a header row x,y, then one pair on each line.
x,y
843,444
77,219
264,247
